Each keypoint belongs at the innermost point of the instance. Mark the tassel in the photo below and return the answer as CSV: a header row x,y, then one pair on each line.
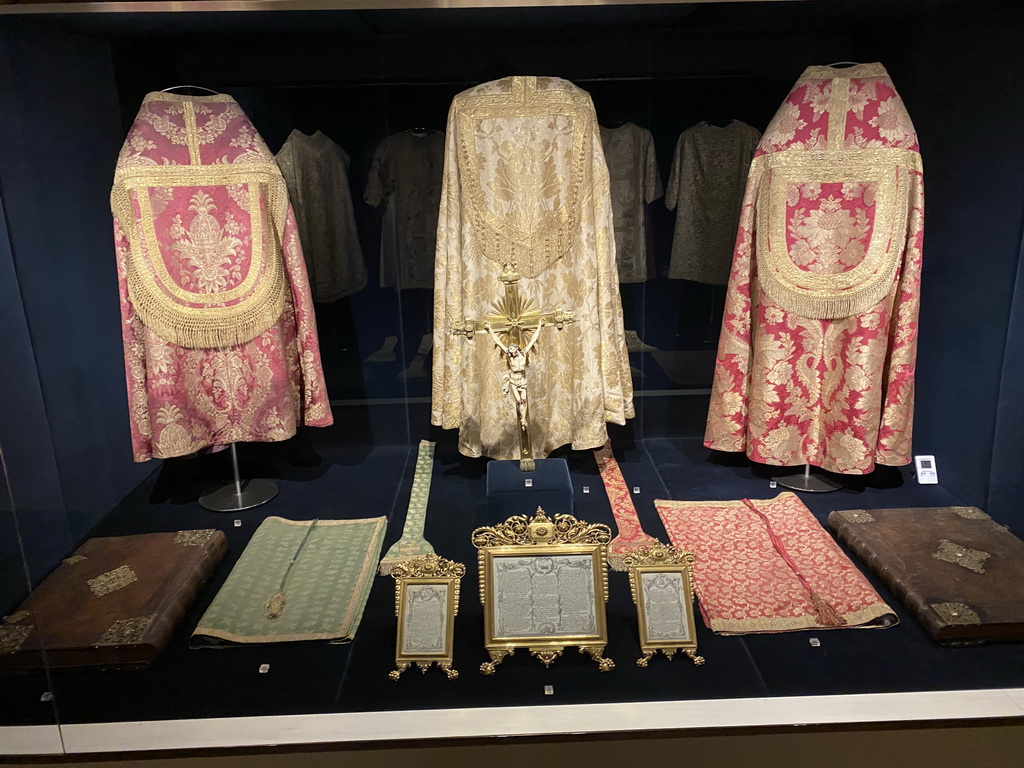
x,y
274,607
826,613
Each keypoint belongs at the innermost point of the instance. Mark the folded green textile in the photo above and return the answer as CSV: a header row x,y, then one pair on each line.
x,y
296,580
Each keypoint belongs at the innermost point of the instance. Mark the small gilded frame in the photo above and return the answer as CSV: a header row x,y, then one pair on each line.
x,y
543,585
426,602
661,582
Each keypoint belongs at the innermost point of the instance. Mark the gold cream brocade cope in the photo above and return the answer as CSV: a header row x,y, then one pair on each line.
x,y
525,183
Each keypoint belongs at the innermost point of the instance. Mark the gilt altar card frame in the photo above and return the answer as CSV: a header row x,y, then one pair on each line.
x,y
661,582
426,603
543,585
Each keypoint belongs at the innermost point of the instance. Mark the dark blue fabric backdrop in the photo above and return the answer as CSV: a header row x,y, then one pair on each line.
x,y
63,423
962,83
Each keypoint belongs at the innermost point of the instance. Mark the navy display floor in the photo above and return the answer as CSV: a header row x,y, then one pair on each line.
x,y
319,677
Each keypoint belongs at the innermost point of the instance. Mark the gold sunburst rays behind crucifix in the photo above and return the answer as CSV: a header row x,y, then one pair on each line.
x,y
514,325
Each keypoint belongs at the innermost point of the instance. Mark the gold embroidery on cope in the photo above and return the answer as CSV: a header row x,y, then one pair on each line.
x,y
17,617
74,559
111,581
839,99
971,559
204,318
535,223
194,538
833,295
126,631
956,613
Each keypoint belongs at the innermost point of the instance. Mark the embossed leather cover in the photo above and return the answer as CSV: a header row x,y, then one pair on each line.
x,y
114,603
955,569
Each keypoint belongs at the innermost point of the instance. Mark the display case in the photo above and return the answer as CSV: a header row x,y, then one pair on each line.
x,y
359,93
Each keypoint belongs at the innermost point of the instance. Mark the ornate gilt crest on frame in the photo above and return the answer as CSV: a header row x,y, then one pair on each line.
x,y
426,602
543,585
661,582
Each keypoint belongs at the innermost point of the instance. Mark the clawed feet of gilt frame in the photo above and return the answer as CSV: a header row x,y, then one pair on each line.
x,y
444,666
644,660
547,656
488,667
595,652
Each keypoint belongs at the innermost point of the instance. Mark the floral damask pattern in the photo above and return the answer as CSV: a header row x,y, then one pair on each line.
x,y
836,392
802,120
185,398
876,117
207,251
630,531
829,225
768,566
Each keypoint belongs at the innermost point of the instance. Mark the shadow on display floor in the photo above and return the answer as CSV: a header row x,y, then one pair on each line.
x,y
319,481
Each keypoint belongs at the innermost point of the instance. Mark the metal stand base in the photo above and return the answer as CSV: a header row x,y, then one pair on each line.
x,y
805,481
239,495
228,499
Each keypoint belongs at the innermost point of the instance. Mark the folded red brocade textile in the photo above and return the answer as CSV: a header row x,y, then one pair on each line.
x,y
767,565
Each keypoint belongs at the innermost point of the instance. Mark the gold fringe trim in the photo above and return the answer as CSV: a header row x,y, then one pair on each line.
x,y
212,332
825,306
388,566
213,326
830,297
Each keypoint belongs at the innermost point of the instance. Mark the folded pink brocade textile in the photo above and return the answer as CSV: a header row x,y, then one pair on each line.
x,y
767,565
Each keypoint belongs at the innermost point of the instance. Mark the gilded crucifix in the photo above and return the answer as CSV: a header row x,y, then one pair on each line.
x,y
514,324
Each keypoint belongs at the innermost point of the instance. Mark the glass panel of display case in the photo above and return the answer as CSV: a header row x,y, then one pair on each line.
x,y
275,607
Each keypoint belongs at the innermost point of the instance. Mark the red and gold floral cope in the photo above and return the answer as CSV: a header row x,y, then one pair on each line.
x,y
817,353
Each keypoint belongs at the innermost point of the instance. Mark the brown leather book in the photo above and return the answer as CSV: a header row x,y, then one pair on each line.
x,y
114,603
955,569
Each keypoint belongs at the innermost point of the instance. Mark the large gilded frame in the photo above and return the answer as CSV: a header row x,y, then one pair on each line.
x,y
426,571
648,561
541,537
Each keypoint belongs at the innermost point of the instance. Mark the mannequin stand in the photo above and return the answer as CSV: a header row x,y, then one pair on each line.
x,y
239,495
805,481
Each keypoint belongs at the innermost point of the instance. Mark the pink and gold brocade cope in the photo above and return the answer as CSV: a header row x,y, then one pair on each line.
x,y
217,322
817,352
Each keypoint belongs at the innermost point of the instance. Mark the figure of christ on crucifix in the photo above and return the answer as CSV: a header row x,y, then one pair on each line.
x,y
514,380
512,318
